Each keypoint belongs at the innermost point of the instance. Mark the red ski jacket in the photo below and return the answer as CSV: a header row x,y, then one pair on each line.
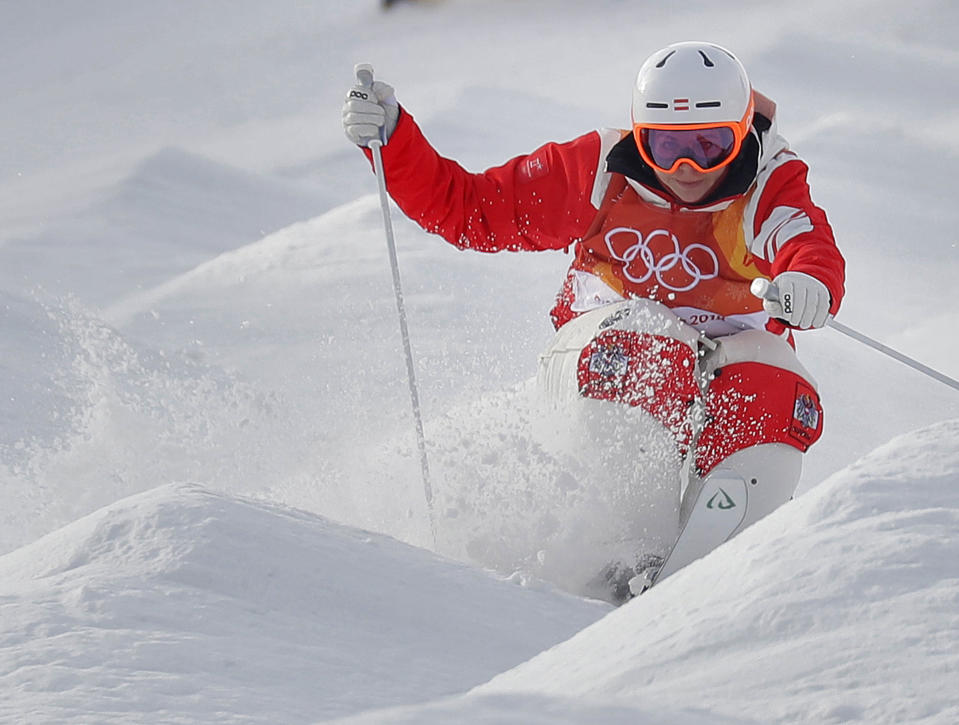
x,y
631,238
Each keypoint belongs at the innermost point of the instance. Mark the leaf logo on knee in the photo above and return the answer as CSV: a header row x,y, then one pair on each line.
x,y
722,502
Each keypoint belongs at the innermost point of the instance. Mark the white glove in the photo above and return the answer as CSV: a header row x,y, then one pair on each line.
x,y
803,300
370,113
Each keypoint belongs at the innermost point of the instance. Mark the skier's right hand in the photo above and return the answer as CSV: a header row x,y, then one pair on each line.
x,y
370,113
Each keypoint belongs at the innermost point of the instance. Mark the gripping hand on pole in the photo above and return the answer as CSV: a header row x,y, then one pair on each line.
x,y
370,111
796,298
774,302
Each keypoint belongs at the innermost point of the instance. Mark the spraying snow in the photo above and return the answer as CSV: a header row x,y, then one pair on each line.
x,y
200,355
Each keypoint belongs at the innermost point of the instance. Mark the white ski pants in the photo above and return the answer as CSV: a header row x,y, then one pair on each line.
x,y
739,408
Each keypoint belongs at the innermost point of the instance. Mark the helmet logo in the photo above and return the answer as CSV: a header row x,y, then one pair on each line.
x,y
680,104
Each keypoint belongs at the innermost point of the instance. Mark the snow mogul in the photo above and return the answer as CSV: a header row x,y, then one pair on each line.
x,y
671,222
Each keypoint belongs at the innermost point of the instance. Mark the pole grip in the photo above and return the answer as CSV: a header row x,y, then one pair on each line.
x,y
764,289
364,75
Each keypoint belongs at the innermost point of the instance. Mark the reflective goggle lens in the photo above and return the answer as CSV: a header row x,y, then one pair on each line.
x,y
707,147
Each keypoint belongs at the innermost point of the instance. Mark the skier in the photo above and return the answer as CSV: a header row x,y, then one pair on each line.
x,y
670,222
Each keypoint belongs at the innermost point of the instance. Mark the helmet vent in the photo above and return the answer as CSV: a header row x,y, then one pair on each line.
x,y
657,105
663,61
709,104
706,61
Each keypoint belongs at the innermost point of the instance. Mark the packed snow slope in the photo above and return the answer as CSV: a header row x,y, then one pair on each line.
x,y
843,606
184,605
194,288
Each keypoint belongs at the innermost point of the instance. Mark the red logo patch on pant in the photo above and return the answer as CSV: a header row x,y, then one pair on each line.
x,y
640,369
806,415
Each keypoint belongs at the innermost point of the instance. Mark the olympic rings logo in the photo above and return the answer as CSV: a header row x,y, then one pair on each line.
x,y
640,263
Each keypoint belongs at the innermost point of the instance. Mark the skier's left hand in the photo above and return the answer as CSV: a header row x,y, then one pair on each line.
x,y
803,300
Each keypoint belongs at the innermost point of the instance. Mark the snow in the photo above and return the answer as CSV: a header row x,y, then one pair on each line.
x,y
249,612
212,504
839,607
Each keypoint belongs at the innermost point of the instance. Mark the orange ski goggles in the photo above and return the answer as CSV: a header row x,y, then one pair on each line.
x,y
704,146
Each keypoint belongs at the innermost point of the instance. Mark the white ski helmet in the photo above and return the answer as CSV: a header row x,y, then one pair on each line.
x,y
692,85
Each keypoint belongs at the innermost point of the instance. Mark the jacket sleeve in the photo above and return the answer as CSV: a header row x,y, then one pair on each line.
x,y
791,233
533,202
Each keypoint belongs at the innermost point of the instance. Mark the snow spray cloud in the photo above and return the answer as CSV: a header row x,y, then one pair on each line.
x,y
534,492
129,419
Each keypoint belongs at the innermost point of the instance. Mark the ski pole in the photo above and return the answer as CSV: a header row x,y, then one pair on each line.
x,y
766,290
364,79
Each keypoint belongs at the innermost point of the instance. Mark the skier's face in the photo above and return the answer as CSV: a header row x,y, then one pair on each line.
x,y
689,185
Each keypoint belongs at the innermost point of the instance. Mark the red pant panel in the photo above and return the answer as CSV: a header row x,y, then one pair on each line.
x,y
653,372
751,403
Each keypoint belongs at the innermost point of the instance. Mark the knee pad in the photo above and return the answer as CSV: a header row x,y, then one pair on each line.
x,y
759,393
652,372
642,355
